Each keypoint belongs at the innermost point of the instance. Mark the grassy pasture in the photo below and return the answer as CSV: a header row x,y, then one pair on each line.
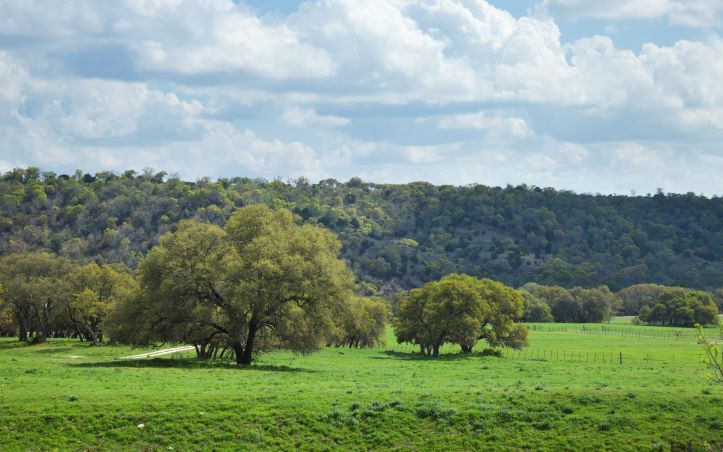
x,y
68,396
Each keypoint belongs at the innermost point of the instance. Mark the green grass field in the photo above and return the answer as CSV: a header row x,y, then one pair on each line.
x,y
66,395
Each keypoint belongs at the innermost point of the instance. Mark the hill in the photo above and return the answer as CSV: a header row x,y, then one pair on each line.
x,y
394,236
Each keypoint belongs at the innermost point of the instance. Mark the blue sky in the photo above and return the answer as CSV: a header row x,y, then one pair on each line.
x,y
609,97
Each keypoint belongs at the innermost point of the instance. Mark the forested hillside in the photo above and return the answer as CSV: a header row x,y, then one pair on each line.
x,y
394,236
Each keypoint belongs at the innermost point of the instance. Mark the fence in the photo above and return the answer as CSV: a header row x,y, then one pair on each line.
x,y
572,356
616,331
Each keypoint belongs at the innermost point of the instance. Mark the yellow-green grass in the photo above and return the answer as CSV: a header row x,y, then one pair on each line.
x,y
69,396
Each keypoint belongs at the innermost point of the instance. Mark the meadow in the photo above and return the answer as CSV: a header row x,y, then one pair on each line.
x,y
66,395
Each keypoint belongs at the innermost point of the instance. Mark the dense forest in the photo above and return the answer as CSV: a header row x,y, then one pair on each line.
x,y
394,236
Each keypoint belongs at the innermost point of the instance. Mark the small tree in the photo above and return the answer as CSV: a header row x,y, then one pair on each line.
x,y
36,289
362,323
460,309
534,309
713,352
95,288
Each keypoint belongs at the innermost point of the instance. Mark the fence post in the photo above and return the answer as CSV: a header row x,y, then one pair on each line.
x,y
621,358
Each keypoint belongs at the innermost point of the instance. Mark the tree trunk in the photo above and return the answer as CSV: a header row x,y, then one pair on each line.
x,y
44,326
23,333
435,351
238,352
92,336
247,354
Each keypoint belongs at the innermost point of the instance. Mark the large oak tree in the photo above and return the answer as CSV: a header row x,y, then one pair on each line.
x,y
263,282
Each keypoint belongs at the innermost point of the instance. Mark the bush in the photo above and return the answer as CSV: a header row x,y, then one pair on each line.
x,y
434,410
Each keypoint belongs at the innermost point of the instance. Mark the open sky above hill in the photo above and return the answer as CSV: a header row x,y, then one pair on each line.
x,y
579,94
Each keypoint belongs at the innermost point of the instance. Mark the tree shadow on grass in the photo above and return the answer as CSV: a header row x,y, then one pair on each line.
x,y
48,347
417,356
13,345
189,363
53,350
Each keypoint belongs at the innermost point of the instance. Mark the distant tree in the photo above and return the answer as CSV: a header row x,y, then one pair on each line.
x,y
460,309
633,298
448,310
678,307
7,324
36,290
362,323
562,304
594,305
535,310
94,289
718,298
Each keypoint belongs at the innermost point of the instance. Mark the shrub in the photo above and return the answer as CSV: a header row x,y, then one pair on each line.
x,y
434,410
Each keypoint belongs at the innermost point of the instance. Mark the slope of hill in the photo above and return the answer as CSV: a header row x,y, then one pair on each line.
x,y
394,236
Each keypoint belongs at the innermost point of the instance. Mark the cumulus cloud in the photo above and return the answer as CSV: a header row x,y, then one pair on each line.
x,y
453,91
302,117
501,125
689,13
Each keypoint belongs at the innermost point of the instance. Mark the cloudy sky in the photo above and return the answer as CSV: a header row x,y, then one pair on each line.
x,y
587,95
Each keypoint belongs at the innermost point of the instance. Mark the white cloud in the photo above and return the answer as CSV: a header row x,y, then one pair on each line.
x,y
501,125
636,157
302,117
689,13
196,87
220,37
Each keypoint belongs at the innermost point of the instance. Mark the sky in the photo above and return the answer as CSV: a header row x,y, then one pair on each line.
x,y
620,96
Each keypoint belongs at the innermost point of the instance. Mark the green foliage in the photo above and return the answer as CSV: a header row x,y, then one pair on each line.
x,y
361,323
712,352
37,289
261,283
96,288
574,305
535,310
393,236
7,326
681,308
636,297
460,309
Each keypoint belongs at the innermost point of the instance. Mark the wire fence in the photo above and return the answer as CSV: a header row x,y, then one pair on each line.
x,y
672,334
610,356
601,357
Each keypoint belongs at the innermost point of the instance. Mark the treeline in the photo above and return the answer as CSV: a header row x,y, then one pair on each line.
x,y
651,304
261,282
393,236
43,295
